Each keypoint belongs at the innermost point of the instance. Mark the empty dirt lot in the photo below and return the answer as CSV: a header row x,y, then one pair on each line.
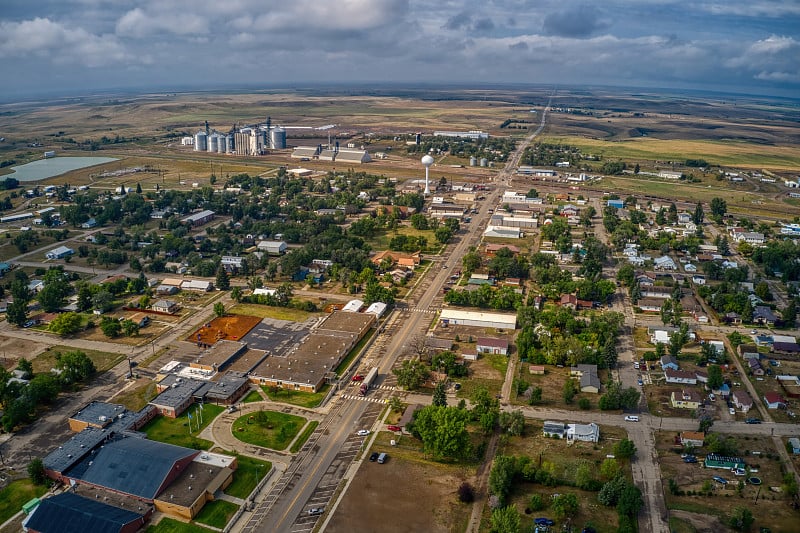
x,y
401,496
231,328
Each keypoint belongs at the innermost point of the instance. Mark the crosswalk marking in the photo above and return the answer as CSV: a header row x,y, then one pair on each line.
x,y
363,398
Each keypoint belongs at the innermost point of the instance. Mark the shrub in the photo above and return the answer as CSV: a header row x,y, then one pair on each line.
x,y
466,494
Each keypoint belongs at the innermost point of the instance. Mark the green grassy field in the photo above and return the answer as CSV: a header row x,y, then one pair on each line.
x,y
216,513
275,431
176,430
137,396
169,525
249,472
15,495
252,396
298,398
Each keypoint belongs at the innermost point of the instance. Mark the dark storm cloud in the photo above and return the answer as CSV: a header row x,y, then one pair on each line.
x,y
579,21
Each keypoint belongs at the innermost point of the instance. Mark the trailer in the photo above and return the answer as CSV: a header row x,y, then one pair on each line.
x,y
368,381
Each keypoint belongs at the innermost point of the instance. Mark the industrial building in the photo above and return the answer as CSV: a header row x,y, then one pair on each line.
x,y
471,134
458,317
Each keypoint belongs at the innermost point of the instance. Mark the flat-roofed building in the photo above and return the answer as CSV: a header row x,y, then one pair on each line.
x,y
478,319
307,366
219,356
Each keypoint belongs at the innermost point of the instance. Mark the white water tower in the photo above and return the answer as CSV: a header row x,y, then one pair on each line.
x,y
427,161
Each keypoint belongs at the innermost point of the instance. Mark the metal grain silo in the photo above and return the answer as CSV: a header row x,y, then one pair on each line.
x,y
484,161
200,141
277,139
222,144
473,161
213,142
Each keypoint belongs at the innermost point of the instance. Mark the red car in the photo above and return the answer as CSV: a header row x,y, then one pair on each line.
x,y
394,428
358,377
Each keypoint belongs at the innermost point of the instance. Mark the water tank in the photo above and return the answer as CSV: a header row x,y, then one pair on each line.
x,y
473,161
213,142
200,141
222,144
278,139
484,161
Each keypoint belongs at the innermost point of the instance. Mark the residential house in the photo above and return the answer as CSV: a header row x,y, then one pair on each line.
x,y
694,439
537,370
685,399
664,263
400,259
165,306
59,253
742,400
653,291
680,376
589,379
750,237
492,345
89,224
764,315
698,279
583,432
668,362
232,263
754,365
774,400
650,305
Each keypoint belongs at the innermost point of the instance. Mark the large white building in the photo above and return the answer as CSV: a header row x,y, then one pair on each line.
x,y
471,134
458,317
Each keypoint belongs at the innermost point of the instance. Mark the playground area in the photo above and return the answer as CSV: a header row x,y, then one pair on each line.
x,y
231,328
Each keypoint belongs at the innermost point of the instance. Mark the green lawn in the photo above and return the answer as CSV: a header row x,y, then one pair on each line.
x,y
176,430
168,525
248,473
268,311
252,396
268,429
304,436
298,398
15,495
216,513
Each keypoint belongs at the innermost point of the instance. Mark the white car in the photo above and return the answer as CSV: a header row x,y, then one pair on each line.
x,y
362,432
732,411
631,418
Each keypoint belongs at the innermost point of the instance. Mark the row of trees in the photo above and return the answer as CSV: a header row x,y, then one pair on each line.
x,y
21,401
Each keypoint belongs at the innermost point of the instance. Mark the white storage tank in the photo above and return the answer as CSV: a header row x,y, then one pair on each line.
x,y
213,142
222,144
200,141
277,138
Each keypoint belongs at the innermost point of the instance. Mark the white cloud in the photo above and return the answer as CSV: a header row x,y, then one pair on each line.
x,y
42,37
140,23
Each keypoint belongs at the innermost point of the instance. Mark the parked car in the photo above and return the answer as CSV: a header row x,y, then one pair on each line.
x,y
631,418
732,411
640,382
720,480
394,428
316,510
374,456
362,432
752,421
541,521
690,459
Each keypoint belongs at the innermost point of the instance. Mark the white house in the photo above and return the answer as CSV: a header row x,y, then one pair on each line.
x,y
492,345
664,263
585,432
59,253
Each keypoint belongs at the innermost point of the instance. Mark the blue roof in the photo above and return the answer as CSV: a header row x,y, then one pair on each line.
x,y
134,466
70,513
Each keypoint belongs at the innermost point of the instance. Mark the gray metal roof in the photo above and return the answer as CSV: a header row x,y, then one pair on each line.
x,y
70,513
134,466
99,413
180,390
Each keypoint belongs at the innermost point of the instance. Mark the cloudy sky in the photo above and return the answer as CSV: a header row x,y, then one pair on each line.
x,y
69,46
